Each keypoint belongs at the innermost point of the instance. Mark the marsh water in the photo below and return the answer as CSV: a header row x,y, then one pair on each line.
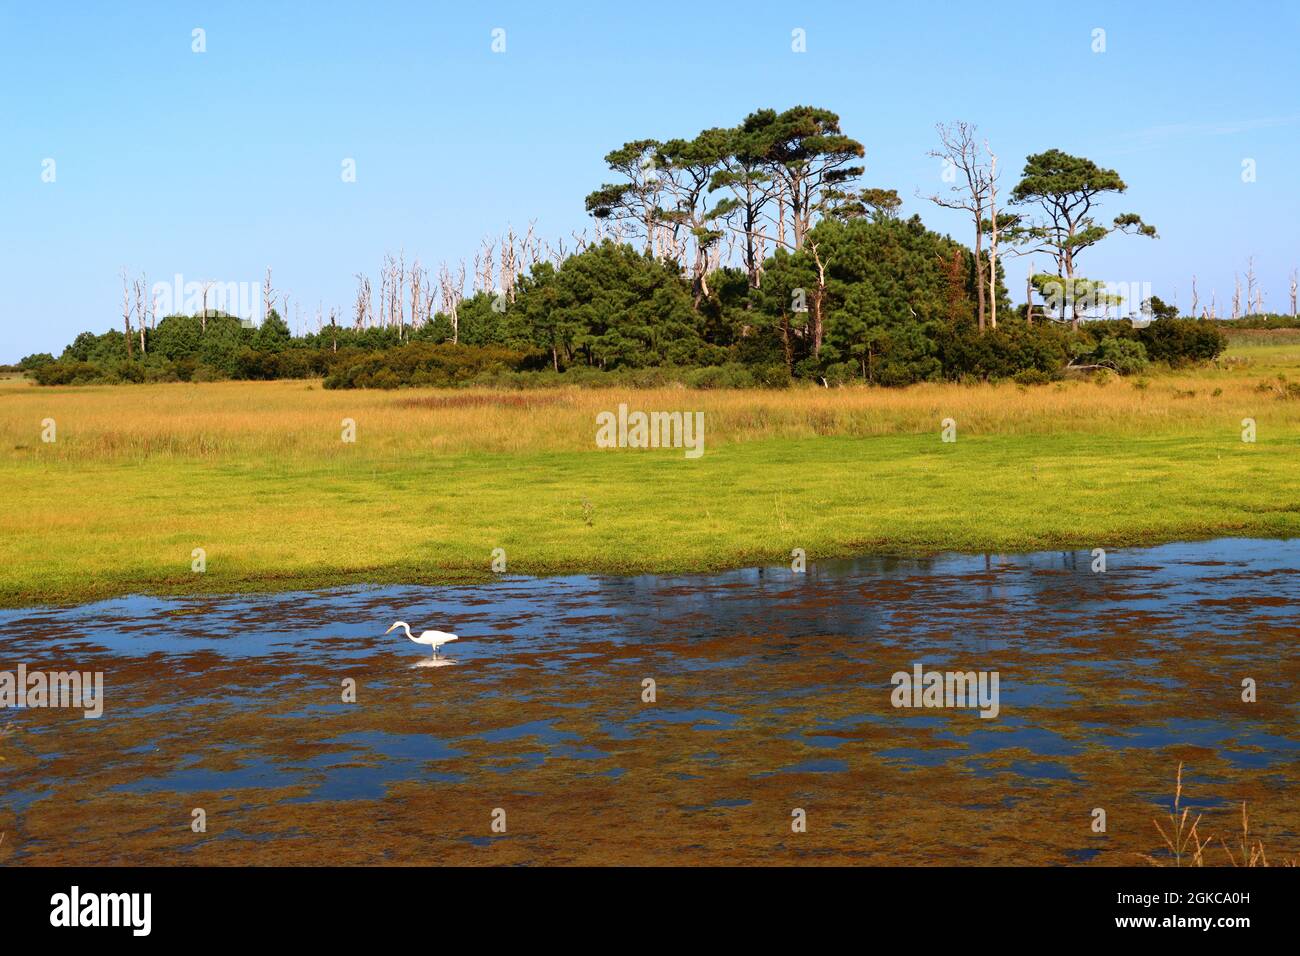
x,y
771,702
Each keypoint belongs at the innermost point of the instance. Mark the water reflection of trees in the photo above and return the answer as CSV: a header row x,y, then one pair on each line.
x,y
975,598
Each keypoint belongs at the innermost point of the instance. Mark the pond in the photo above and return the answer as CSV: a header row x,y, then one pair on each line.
x,y
742,717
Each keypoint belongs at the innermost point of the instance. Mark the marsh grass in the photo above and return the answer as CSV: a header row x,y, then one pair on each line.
x,y
1188,848
256,473
1182,840
293,422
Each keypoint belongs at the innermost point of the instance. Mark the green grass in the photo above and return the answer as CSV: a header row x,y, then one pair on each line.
x,y
437,519
256,475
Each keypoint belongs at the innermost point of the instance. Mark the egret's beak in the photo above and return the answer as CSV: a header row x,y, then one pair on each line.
x,y
391,629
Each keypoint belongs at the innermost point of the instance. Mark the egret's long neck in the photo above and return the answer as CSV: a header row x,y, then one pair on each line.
x,y
406,627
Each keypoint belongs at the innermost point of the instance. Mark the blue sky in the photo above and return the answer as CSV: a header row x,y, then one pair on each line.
x,y
219,164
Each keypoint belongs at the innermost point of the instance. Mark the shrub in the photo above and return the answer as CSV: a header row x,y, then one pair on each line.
x,y
65,372
423,365
1032,376
1182,341
1012,348
30,363
731,375
1125,356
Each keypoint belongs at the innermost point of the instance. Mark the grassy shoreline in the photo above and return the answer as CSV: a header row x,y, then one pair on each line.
x,y
404,575
256,474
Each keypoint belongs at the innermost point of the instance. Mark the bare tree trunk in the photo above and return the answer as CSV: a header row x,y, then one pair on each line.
x,y
126,316
141,310
993,238
1250,284
268,295
203,319
401,293
798,213
780,215
415,293
363,302
961,152
1029,295
819,296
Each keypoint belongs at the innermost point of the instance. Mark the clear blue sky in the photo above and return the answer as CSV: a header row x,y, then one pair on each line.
x,y
219,164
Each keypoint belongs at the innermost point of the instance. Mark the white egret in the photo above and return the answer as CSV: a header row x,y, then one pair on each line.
x,y
434,639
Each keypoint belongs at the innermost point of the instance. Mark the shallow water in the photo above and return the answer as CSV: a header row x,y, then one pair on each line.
x,y
772,690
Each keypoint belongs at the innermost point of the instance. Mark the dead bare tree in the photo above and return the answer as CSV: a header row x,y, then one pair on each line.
x,y
509,264
1029,295
1195,298
993,236
203,317
961,154
530,250
126,315
556,253
141,288
453,293
400,292
394,295
484,267
1250,284
268,295
1295,282
415,293
363,301
818,298
387,269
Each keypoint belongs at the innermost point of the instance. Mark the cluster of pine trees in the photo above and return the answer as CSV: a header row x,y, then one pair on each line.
x,y
744,255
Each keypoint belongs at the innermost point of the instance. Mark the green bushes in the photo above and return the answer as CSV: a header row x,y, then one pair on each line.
x,y
731,375
885,302
1182,341
422,364
30,363
1012,349
68,373
1122,355
1268,321
251,363
1127,349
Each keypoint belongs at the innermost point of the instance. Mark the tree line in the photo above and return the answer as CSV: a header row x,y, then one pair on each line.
x,y
754,251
